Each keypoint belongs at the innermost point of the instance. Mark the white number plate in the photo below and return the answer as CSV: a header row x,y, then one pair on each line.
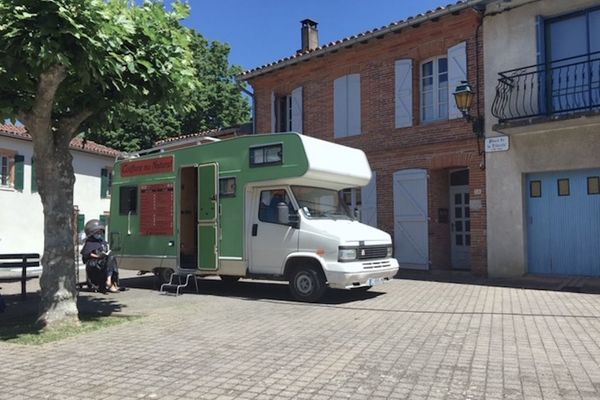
x,y
375,281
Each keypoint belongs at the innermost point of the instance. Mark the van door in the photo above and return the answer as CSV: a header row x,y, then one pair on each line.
x,y
270,240
208,217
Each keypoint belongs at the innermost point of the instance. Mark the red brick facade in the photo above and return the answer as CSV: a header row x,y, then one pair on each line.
x,y
437,146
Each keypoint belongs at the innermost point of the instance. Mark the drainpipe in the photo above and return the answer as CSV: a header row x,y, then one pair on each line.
x,y
481,11
251,95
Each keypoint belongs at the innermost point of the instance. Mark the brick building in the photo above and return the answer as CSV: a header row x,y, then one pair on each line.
x,y
389,92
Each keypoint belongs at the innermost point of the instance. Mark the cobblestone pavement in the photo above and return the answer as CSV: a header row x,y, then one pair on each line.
x,y
407,339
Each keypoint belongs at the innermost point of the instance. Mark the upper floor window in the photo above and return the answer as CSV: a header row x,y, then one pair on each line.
x,y
573,61
434,89
4,171
287,113
346,106
105,182
11,170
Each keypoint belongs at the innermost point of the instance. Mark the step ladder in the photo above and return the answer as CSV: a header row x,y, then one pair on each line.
x,y
176,283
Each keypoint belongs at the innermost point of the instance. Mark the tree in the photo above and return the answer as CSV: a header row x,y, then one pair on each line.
x,y
217,103
63,65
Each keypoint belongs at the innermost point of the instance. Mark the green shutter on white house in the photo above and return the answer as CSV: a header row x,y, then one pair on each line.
x,y
104,221
33,177
19,174
80,222
104,183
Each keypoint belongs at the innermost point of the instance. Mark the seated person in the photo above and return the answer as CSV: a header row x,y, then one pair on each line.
x,y
96,255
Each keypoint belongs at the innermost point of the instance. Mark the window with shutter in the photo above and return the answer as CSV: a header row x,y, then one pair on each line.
x,y
4,171
105,183
346,106
287,111
434,89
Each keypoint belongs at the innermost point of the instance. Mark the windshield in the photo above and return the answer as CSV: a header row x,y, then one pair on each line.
x,y
321,203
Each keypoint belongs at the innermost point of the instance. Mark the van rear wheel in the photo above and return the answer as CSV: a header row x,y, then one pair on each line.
x,y
163,274
307,284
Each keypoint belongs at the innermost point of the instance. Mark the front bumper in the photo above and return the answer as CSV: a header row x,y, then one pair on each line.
x,y
350,275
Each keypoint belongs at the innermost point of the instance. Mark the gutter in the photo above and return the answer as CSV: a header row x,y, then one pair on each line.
x,y
251,94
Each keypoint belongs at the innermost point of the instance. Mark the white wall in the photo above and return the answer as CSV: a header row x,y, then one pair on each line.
x,y
509,43
21,215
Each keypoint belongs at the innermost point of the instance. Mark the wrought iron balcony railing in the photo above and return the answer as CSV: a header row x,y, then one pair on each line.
x,y
557,88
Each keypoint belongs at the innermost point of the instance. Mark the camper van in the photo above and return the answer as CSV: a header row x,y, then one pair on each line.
x,y
263,206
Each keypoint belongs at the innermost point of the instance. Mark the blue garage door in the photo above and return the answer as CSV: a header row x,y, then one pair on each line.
x,y
563,222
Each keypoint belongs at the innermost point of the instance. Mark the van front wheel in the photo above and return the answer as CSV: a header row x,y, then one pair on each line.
x,y
307,284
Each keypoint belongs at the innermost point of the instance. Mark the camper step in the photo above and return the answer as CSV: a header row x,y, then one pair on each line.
x,y
178,282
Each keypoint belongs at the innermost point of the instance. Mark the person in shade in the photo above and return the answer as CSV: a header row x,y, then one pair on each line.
x,y
99,263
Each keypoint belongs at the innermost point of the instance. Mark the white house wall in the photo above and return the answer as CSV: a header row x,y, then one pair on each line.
x,y
509,43
21,215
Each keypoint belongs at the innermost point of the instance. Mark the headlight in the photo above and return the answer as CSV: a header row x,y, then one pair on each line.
x,y
347,254
390,252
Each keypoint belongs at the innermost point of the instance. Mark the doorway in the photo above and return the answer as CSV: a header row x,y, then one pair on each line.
x,y
188,218
460,220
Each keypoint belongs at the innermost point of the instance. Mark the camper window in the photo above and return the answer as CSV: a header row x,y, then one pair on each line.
x,y
268,207
266,155
128,200
227,187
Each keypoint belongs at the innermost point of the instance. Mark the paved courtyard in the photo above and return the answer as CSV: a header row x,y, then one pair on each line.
x,y
409,339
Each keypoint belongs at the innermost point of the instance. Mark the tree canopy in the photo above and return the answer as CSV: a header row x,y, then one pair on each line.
x,y
65,65
216,103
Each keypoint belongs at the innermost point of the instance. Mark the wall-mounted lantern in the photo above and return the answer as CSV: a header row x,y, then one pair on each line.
x,y
463,96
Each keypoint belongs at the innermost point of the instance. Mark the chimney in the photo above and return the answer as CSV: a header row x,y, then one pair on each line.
x,y
310,35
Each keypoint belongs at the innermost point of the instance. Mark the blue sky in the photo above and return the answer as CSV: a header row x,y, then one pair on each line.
x,y
262,31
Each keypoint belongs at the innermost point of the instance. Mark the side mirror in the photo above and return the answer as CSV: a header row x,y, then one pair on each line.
x,y
294,220
81,237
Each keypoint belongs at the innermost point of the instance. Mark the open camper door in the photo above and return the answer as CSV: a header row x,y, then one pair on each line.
x,y
208,221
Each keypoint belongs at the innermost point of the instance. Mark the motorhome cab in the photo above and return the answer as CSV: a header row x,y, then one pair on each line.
x,y
259,206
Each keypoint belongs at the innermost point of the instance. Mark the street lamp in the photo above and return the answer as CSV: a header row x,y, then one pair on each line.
x,y
463,96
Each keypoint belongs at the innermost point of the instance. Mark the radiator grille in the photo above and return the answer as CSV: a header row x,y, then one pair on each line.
x,y
366,253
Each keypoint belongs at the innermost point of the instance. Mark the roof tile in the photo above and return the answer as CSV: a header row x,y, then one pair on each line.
x,y
87,146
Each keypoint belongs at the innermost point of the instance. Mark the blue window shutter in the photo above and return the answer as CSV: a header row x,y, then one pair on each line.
x,y
403,98
368,197
19,173
104,183
540,41
353,105
33,177
457,72
297,112
340,107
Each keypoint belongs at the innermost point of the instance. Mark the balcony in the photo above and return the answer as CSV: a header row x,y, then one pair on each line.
x,y
560,90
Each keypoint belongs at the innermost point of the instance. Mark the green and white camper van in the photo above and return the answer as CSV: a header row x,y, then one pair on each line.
x,y
258,206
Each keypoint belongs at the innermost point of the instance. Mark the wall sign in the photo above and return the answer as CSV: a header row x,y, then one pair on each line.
x,y
156,209
147,167
499,143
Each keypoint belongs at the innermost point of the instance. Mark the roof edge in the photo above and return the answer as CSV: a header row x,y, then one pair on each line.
x,y
367,35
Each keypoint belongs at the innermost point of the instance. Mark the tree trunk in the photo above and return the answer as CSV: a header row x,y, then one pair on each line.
x,y
54,170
